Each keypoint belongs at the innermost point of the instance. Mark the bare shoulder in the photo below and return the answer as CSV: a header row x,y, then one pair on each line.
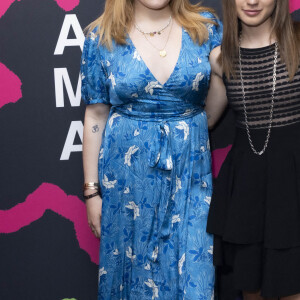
x,y
214,54
214,61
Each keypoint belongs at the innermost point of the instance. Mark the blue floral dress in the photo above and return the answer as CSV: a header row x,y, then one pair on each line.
x,y
154,171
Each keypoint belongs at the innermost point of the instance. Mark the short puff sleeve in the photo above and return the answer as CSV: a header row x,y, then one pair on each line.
x,y
93,74
215,31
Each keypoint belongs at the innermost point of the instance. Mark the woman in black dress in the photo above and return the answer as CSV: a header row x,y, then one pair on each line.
x,y
255,209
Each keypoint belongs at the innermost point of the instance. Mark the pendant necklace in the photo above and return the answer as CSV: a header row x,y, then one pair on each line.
x,y
162,51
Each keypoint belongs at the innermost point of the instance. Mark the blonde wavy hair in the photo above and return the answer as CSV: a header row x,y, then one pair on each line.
x,y
118,15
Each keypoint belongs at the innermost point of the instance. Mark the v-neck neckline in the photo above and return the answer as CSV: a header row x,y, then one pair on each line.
x,y
151,73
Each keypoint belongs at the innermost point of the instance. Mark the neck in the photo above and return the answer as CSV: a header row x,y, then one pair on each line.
x,y
147,17
257,36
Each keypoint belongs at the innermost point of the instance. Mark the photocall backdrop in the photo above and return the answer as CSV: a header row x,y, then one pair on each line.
x,y
46,248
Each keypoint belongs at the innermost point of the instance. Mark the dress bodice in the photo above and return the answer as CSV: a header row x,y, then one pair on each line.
x,y
258,66
121,78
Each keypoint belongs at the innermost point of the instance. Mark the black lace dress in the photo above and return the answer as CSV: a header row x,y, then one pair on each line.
x,y
255,208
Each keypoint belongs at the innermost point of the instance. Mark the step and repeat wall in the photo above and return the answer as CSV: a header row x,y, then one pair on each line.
x,y
46,248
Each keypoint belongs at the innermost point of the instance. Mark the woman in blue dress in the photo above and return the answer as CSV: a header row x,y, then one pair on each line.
x,y
145,75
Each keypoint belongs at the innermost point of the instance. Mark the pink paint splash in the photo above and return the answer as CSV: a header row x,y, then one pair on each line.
x,y
49,196
218,157
294,5
4,5
66,5
10,86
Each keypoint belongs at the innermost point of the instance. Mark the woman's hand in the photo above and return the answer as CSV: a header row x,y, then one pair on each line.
x,y
94,212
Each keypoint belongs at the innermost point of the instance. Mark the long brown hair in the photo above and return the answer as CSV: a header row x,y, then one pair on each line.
x,y
118,18
283,29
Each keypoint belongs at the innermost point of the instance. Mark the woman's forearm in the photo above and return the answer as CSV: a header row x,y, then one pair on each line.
x,y
94,123
216,100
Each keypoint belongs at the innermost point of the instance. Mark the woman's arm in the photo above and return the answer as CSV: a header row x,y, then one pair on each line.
x,y
94,123
216,100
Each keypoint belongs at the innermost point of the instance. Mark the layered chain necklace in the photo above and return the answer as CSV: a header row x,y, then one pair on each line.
x,y
272,101
153,33
162,51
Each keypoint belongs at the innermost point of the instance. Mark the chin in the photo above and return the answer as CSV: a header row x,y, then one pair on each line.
x,y
154,4
255,13
253,22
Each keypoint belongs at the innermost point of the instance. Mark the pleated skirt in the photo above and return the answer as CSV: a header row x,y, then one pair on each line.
x,y
255,213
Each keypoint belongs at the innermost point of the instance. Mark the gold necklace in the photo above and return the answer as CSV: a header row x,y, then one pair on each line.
x,y
152,33
163,51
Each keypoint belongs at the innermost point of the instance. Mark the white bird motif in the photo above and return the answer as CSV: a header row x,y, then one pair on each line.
x,y
167,129
135,95
204,184
136,132
126,190
180,264
92,36
129,153
121,287
108,63
136,210
176,219
209,28
187,112
211,250
199,60
82,76
184,126
157,157
129,254
147,267
151,284
136,55
151,85
178,184
112,118
155,253
108,184
169,163
196,81
207,200
83,62
116,252
113,80
129,107
101,153
101,272
208,145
